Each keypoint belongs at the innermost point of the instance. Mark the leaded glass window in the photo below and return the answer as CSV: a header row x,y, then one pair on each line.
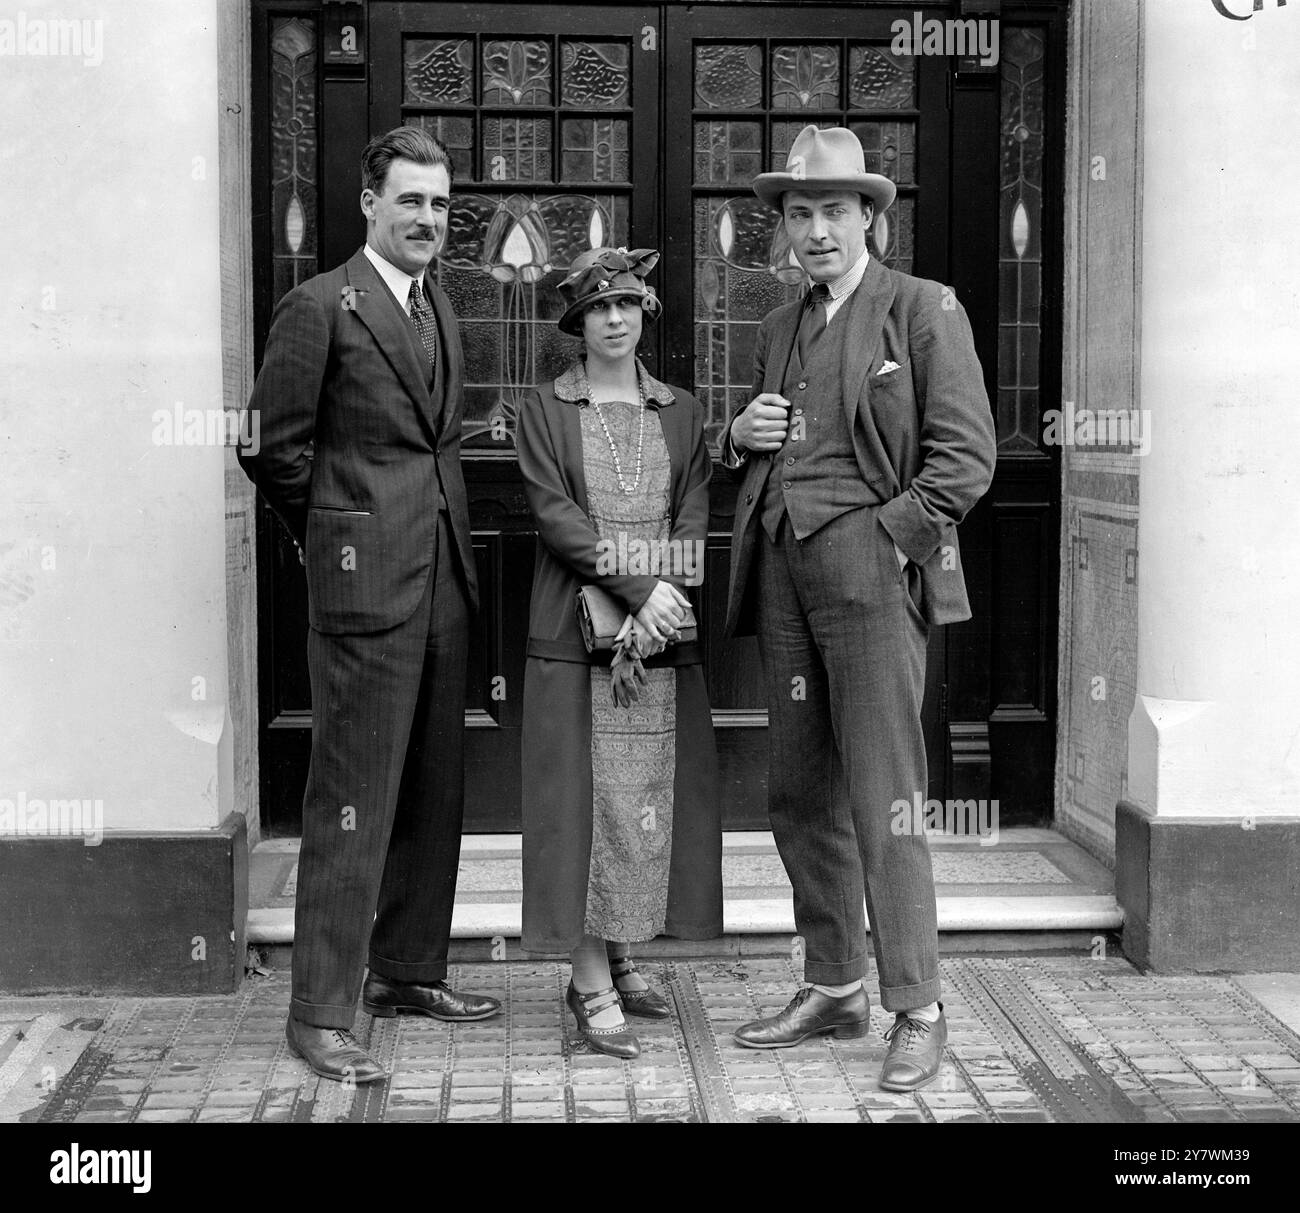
x,y
750,101
1020,254
540,132
293,152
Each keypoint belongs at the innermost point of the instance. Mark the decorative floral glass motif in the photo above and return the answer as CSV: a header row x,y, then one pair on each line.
x,y
728,76
293,152
501,266
879,79
1020,245
517,73
513,231
438,71
805,77
594,74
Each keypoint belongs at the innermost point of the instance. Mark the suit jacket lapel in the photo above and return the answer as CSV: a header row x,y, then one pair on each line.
x,y
452,372
373,302
782,345
869,306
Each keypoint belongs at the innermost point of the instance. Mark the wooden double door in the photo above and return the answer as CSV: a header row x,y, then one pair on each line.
x,y
639,125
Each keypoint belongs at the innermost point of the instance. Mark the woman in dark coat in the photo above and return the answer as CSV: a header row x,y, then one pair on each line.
x,y
622,835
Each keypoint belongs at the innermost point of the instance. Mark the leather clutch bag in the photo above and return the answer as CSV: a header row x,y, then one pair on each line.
x,y
601,616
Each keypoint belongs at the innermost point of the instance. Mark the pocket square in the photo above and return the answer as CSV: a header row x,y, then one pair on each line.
x,y
888,366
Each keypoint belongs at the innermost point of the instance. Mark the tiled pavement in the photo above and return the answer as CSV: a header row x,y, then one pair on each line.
x,y
1032,1038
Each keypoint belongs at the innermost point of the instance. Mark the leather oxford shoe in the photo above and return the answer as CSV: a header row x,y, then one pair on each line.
x,y
384,997
332,1053
810,1013
915,1053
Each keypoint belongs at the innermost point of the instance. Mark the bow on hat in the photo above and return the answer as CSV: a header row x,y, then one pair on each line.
x,y
590,267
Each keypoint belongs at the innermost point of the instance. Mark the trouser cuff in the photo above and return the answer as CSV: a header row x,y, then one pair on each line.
x,y
322,1014
835,973
422,972
908,998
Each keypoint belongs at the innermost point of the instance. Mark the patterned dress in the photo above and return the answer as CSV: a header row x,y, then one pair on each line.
x,y
633,750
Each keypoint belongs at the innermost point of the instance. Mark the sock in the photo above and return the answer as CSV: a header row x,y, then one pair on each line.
x,y
838,991
929,1013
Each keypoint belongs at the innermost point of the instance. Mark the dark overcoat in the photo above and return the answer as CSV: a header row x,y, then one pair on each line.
x,y
557,777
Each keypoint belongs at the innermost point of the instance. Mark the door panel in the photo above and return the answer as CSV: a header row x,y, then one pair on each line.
x,y
644,125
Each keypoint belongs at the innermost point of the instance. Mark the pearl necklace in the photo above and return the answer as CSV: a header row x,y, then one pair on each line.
x,y
640,442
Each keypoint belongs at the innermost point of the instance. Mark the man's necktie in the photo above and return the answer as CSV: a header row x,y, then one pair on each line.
x,y
425,325
813,321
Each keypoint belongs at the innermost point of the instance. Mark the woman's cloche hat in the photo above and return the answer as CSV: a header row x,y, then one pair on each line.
x,y
604,273
825,160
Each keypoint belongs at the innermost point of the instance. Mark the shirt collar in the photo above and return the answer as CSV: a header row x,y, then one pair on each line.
x,y
848,281
573,388
397,281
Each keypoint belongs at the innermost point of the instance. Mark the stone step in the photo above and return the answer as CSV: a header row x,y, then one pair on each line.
x,y
1031,882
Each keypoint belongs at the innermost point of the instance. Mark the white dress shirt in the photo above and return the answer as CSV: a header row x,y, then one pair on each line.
x,y
397,281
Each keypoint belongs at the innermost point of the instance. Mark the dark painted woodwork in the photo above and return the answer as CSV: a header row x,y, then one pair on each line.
x,y
124,916
991,682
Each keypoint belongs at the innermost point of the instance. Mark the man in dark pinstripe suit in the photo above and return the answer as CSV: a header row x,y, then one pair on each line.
x,y
359,405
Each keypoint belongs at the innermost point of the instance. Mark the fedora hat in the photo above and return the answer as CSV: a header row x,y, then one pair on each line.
x,y
825,160
605,273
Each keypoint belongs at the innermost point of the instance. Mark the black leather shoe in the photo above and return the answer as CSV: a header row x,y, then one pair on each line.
x,y
649,1004
384,997
915,1052
616,1042
332,1053
810,1013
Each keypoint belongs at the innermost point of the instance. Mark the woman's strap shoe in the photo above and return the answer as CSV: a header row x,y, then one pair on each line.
x,y
647,1003
616,1042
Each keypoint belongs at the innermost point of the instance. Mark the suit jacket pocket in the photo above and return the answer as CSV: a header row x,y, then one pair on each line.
x,y
360,577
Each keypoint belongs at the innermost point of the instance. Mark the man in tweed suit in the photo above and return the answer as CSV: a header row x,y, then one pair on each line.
x,y
868,439
359,403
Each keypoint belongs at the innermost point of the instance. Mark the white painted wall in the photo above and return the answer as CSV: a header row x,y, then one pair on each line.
x,y
1216,726
112,580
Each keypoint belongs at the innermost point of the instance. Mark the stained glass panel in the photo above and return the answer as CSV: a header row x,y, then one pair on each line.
x,y
456,133
293,152
438,71
728,153
1020,238
517,149
881,80
805,77
517,73
501,267
594,74
728,76
783,135
889,148
595,149
739,249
